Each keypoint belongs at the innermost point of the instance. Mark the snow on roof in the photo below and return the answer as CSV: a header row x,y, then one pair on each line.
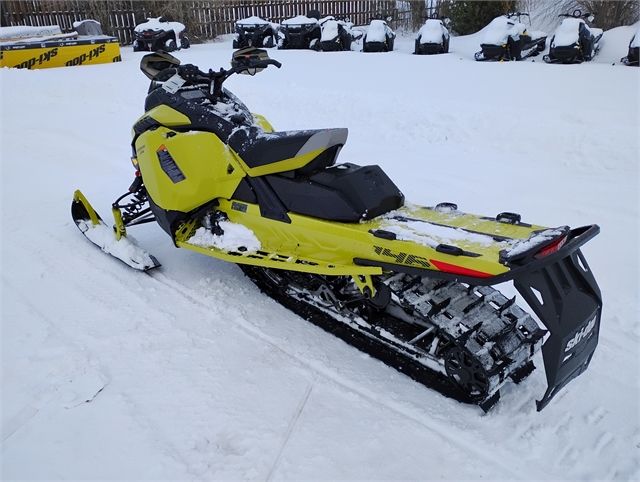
x,y
299,20
157,24
252,21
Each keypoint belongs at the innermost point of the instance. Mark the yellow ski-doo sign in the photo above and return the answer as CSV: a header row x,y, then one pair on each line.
x,y
60,53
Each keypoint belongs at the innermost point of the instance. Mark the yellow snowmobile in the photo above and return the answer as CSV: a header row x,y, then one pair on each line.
x,y
337,244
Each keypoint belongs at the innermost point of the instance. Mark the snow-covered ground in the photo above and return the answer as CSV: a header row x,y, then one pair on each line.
x,y
191,373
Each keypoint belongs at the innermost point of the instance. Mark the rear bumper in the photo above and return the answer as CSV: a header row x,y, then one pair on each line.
x,y
563,293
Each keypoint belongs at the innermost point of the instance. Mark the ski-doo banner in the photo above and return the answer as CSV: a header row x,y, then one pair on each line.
x,y
60,53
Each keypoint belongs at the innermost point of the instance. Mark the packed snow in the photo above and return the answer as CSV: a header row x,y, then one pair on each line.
x,y
299,20
567,32
159,24
125,249
22,31
189,372
377,31
432,235
252,21
537,239
432,32
500,29
235,237
329,30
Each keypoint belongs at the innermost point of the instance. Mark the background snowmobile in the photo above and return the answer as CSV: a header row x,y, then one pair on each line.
x,y
254,31
634,51
433,37
336,34
300,32
159,34
574,41
379,37
337,244
507,38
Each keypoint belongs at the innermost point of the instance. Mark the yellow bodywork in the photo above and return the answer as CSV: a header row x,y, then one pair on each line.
x,y
333,246
210,170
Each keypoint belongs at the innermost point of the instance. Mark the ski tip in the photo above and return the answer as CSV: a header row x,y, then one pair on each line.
x,y
82,211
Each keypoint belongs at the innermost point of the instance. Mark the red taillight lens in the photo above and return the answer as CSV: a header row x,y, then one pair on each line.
x,y
552,248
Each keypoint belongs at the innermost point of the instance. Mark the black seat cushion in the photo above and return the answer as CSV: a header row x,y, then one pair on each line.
x,y
260,149
347,193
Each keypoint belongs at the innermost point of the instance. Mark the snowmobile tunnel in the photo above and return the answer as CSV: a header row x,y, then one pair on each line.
x,y
561,290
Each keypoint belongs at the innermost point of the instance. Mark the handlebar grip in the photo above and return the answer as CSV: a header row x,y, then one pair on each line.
x,y
264,63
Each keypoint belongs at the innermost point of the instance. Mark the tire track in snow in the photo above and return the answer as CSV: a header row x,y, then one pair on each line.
x,y
290,429
443,432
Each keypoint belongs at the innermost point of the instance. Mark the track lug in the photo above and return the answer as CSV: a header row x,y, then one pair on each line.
x,y
490,402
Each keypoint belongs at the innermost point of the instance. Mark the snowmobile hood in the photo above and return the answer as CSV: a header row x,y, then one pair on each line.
x,y
329,30
567,32
432,31
378,31
158,25
500,29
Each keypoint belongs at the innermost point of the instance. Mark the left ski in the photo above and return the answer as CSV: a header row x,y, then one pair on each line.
x,y
95,230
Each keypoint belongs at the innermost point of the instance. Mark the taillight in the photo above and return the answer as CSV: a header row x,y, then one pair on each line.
x,y
552,248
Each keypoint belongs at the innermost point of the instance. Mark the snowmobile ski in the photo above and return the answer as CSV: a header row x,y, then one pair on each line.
x,y
104,237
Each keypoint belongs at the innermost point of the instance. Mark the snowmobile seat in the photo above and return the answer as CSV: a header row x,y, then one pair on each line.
x,y
345,192
271,148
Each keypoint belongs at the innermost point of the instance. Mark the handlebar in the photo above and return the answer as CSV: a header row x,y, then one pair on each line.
x,y
193,73
215,79
577,13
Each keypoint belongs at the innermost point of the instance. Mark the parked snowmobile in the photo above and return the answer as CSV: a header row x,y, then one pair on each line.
x,y
433,38
336,34
574,41
159,34
379,37
254,32
634,51
337,244
507,38
299,32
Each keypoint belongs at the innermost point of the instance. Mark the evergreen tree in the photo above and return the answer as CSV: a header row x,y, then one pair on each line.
x,y
469,17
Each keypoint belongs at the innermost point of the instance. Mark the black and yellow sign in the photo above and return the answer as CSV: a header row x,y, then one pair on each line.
x,y
61,53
